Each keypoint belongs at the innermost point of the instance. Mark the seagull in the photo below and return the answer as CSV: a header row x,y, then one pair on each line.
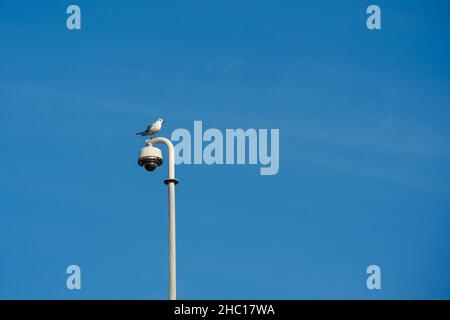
x,y
152,129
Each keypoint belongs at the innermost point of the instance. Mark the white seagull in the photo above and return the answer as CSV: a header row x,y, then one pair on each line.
x,y
152,129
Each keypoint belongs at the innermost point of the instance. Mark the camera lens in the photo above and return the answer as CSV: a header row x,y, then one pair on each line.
x,y
150,166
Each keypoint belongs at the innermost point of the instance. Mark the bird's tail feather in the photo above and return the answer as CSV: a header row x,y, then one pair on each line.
x,y
140,133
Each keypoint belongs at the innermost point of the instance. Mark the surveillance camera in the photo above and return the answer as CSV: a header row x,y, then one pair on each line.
x,y
150,158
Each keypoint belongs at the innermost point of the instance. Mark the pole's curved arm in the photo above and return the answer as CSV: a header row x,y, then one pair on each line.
x,y
171,149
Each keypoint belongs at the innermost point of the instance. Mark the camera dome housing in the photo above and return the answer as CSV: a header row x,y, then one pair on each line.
x,y
150,158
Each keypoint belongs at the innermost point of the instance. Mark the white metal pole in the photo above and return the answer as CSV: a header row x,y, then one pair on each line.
x,y
172,244
171,182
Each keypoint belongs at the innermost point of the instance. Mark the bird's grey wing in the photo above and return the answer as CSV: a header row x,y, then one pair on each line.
x,y
148,129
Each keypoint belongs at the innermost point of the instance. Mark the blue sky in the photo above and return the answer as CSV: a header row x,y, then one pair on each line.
x,y
364,149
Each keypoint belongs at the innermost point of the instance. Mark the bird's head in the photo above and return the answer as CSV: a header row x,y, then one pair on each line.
x,y
161,120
